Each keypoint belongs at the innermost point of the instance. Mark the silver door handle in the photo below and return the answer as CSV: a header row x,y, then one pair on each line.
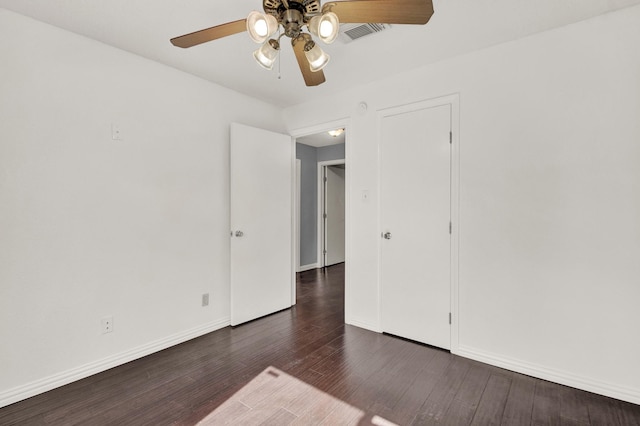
x,y
239,233
386,235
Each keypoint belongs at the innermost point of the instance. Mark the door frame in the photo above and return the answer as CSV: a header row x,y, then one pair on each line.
x,y
319,128
322,165
453,100
296,215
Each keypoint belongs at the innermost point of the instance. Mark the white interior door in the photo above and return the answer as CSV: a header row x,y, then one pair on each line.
x,y
415,156
261,222
334,210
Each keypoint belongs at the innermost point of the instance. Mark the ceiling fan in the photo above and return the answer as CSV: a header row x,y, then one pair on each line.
x,y
323,22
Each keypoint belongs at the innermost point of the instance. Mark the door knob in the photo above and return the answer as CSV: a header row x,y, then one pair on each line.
x,y
386,235
239,233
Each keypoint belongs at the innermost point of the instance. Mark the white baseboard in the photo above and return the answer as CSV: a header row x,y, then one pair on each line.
x,y
309,267
556,376
363,324
37,387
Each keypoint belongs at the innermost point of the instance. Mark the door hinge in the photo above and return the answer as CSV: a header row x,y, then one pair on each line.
x,y
449,317
450,227
450,137
324,215
325,179
324,252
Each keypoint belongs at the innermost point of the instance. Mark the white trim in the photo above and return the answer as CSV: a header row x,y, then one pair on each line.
x,y
379,219
455,218
319,210
318,128
320,237
37,387
295,249
296,216
364,324
453,100
556,376
308,267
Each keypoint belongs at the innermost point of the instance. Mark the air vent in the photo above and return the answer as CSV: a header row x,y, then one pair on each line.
x,y
351,32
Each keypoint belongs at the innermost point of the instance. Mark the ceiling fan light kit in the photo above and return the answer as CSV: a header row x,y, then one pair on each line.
x,y
326,27
261,26
267,54
323,22
317,57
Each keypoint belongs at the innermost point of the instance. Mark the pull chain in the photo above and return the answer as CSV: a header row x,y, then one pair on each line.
x,y
280,55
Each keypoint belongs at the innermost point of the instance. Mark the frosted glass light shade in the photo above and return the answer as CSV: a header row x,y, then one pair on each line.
x,y
317,58
326,27
261,26
267,54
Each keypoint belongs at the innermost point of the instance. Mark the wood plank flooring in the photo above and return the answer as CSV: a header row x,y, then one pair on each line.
x,y
379,375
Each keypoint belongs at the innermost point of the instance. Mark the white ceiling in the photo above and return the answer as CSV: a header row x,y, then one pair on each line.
x,y
321,139
144,27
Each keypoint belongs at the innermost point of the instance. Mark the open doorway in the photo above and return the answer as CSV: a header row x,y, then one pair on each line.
x,y
321,200
321,213
331,212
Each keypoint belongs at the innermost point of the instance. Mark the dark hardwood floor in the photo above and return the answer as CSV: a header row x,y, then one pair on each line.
x,y
398,380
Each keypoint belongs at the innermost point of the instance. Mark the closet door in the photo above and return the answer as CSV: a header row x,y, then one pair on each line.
x,y
415,162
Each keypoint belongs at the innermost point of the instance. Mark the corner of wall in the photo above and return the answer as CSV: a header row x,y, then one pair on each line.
x,y
45,384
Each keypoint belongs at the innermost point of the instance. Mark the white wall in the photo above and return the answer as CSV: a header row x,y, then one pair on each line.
x,y
549,229
89,226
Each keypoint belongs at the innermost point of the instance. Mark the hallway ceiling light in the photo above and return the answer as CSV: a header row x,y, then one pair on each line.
x,y
335,133
292,16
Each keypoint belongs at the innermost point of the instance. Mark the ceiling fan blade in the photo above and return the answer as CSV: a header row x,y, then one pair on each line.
x,y
382,11
213,33
310,78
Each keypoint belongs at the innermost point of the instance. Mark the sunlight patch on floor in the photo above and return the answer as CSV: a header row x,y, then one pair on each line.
x,y
276,398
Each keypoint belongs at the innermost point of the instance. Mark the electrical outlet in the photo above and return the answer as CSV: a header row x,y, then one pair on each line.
x,y
205,299
107,324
